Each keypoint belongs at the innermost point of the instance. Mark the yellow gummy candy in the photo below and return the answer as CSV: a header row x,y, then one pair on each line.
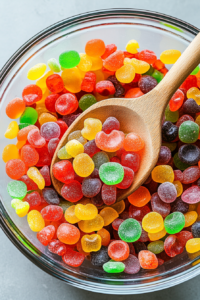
x,y
91,225
140,66
126,73
194,93
193,245
152,222
91,128
170,56
162,174
35,221
179,187
21,208
12,130
34,174
74,148
36,71
190,218
86,212
157,236
76,135
83,165
72,80
97,63
62,153
85,62
10,152
132,46
46,117
70,215
91,243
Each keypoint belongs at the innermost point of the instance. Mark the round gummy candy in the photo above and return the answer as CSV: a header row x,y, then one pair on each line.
x,y
114,267
69,59
174,222
17,189
86,101
188,132
111,173
130,230
30,116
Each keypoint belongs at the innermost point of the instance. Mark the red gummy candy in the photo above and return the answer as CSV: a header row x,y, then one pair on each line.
x,y
55,83
46,235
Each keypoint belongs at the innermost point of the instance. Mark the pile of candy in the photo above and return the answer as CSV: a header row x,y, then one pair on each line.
x,y
159,219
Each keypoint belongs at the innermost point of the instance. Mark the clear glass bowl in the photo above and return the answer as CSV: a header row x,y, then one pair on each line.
x,y
153,31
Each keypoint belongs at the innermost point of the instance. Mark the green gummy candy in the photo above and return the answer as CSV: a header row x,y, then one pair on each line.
x,y
54,65
62,153
179,164
130,230
188,132
111,173
174,222
157,75
86,101
30,116
69,59
17,189
156,247
100,158
171,116
23,125
113,267
15,203
150,71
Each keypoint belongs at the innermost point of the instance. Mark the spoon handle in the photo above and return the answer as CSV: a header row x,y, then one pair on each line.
x,y
186,63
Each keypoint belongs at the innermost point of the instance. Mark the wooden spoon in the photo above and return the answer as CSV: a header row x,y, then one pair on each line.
x,y
141,115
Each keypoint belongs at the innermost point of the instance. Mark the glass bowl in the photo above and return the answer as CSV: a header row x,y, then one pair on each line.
x,y
153,31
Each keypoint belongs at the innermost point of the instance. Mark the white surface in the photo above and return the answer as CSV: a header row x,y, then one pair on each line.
x,y
20,20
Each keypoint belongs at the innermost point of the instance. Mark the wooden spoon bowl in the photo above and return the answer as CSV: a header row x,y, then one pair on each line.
x,y
141,115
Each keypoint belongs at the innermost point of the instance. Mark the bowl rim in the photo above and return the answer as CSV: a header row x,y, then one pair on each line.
x,y
9,228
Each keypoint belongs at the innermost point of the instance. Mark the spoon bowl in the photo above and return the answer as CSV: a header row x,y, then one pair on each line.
x,y
141,115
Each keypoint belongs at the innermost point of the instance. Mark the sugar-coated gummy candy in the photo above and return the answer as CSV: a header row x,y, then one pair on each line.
x,y
99,158
34,174
179,205
33,199
100,257
72,191
132,265
35,221
109,194
114,267
52,213
62,153
95,224
109,142
160,206
50,131
111,173
130,230
138,213
118,250
191,195
167,192
131,160
163,173
188,132
91,187
76,135
85,212
50,196
196,230
91,128
91,243
17,189
148,260
73,258
46,234
83,165
91,148
68,234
